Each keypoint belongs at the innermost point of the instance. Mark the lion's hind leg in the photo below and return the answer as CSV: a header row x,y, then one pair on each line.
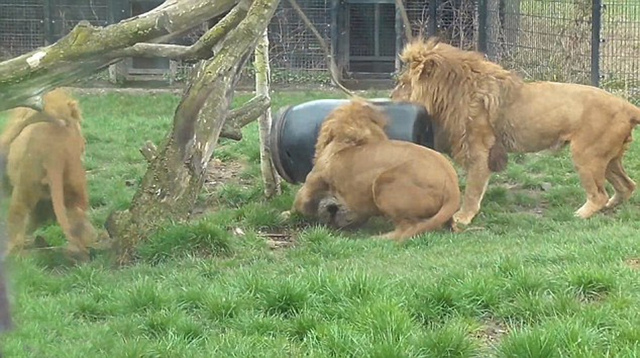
x,y
20,209
622,184
413,208
591,168
70,203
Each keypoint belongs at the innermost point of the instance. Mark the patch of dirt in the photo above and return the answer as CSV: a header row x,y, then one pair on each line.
x,y
275,239
219,173
633,264
492,332
279,240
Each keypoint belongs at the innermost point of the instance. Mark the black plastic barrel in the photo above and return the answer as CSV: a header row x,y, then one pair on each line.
x,y
295,129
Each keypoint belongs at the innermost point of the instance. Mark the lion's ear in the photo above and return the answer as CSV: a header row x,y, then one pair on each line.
x,y
325,137
74,110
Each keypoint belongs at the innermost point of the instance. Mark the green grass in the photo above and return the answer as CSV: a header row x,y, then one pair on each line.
x,y
531,281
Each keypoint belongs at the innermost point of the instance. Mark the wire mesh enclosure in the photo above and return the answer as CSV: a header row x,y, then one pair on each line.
x,y
545,40
581,41
21,26
372,37
292,44
620,46
65,14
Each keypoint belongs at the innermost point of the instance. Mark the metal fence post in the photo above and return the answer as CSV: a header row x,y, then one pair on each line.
x,y
596,18
399,39
432,25
482,26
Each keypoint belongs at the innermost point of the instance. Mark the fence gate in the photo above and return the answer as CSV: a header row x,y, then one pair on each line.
x,y
366,37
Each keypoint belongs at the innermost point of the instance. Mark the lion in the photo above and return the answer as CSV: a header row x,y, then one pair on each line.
x,y
58,104
485,111
359,173
333,212
45,172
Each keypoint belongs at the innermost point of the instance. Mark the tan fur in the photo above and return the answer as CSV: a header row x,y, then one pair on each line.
x,y
359,168
45,170
58,105
486,111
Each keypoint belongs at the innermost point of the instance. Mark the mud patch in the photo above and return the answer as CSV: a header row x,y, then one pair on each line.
x,y
491,332
218,174
633,264
279,240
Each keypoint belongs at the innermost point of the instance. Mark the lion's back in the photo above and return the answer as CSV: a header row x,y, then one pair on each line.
x,y
37,145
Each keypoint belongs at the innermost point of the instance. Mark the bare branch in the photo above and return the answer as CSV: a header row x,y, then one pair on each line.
x,y
333,68
204,46
405,20
240,117
201,49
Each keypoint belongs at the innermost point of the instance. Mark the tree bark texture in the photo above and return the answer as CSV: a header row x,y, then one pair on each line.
x,y
240,117
175,176
270,179
87,49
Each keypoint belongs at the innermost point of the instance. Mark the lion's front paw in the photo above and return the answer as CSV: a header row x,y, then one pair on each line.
x,y
462,219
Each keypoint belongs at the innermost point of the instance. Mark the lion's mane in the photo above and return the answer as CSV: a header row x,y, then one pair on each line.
x,y
456,87
354,124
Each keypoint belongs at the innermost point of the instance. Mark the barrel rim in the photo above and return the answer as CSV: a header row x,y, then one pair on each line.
x,y
274,144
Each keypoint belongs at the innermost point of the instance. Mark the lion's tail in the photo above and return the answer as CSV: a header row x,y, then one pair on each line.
x,y
442,217
56,187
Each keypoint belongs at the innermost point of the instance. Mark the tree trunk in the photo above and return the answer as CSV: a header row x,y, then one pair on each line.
x,y
270,179
87,49
175,176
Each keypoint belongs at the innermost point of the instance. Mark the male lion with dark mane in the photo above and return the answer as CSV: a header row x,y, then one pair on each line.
x,y
359,172
43,152
484,111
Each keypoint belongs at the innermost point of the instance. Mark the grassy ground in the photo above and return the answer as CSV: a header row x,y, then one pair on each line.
x,y
529,281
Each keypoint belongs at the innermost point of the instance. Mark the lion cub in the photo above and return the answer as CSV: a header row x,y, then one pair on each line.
x,y
370,175
45,172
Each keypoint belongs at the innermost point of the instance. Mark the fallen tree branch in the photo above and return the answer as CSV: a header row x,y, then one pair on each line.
x,y
333,68
201,49
85,49
240,117
144,49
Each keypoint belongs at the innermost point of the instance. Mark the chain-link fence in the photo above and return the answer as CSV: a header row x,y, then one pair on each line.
x,y
548,40
21,26
619,49
582,41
